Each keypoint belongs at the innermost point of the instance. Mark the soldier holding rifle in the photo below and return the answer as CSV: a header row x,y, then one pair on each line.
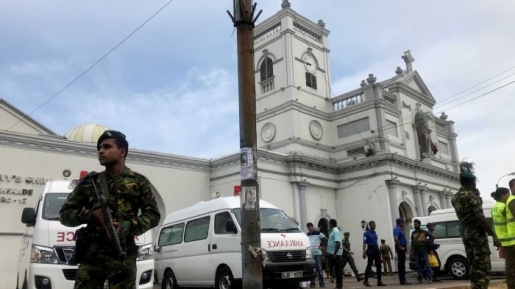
x,y
105,248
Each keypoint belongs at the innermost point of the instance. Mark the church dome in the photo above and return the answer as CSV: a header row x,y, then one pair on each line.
x,y
86,133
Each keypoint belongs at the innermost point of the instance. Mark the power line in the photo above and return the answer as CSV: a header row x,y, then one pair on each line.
x,y
462,103
95,63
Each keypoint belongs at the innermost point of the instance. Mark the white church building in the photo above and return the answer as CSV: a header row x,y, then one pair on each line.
x,y
374,153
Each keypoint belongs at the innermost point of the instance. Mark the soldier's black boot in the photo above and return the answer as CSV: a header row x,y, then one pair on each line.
x,y
365,283
380,283
358,277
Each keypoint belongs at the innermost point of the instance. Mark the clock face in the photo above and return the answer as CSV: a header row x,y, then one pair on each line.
x,y
310,64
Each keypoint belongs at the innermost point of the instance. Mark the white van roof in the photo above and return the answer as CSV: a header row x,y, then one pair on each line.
x,y
214,205
60,186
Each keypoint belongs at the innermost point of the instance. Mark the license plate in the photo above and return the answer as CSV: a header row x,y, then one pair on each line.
x,y
294,274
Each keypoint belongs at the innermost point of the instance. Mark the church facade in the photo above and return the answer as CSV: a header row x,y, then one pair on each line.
x,y
374,153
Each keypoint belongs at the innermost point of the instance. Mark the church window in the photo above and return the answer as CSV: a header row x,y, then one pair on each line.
x,y
311,80
267,69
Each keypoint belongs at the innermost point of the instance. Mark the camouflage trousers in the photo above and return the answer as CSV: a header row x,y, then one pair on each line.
x,y
478,258
347,258
99,265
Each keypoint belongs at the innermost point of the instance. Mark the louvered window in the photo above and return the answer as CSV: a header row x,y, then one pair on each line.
x,y
267,69
311,80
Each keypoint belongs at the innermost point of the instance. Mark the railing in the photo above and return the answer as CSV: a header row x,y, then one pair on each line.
x,y
267,85
348,101
267,33
306,32
390,99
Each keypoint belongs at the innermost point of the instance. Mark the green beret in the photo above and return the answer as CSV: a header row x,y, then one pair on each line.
x,y
346,234
468,175
112,134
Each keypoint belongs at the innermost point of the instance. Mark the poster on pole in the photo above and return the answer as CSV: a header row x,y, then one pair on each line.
x,y
249,198
247,164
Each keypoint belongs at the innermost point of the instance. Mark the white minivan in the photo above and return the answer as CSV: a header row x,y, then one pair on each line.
x,y
452,254
47,245
200,246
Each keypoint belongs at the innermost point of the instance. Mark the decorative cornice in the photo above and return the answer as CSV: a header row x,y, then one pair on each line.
x,y
61,145
418,96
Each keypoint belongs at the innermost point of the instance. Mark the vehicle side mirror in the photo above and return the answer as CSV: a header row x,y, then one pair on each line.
x,y
28,217
230,227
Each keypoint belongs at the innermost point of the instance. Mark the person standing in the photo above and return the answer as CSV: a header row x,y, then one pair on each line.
x,y
387,256
419,242
347,256
433,247
509,246
126,192
371,251
316,238
400,248
468,205
334,252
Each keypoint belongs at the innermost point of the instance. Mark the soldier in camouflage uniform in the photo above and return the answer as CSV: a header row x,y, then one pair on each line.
x,y
474,228
347,256
128,193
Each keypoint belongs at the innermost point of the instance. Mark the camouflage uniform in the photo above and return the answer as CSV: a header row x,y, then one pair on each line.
x,y
128,193
474,237
347,258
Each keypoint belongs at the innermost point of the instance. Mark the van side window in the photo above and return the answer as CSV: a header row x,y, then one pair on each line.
x,y
171,235
197,230
453,229
221,221
440,231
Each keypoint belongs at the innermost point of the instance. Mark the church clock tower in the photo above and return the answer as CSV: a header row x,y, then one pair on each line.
x,y
292,82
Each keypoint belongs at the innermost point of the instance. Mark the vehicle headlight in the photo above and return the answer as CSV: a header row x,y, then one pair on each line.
x,y
309,253
145,253
264,254
45,255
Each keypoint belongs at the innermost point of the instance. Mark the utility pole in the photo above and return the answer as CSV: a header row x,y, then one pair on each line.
x,y
244,21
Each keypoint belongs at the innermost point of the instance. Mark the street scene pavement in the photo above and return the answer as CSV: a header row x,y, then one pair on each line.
x,y
393,282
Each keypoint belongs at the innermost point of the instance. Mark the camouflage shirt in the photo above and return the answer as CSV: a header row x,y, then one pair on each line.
x,y
346,246
129,193
467,203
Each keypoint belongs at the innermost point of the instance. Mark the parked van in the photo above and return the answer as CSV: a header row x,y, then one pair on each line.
x,y
452,251
200,246
47,245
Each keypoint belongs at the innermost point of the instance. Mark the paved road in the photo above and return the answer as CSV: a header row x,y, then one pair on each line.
x,y
393,283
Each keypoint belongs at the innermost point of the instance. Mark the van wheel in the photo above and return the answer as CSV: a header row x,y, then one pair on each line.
x,y
224,279
458,268
169,281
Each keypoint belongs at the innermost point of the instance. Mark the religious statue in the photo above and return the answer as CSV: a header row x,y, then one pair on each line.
x,y
425,143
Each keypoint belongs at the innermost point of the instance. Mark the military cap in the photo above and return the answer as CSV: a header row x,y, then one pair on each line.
x,y
467,171
112,134
468,175
346,234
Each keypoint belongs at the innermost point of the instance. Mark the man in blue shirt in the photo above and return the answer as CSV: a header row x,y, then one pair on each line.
x,y
316,238
400,247
335,251
371,250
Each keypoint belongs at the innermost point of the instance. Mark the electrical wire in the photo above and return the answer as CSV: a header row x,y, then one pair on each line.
x,y
95,63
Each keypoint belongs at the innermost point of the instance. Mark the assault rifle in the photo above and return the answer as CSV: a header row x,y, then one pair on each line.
x,y
112,234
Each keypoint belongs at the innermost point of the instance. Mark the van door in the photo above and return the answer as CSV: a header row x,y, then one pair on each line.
x,y
196,263
170,249
225,244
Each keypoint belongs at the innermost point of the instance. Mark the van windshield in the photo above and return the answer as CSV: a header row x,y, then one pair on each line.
x,y
273,221
52,205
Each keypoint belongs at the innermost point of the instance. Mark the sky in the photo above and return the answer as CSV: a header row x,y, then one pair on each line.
x,y
172,86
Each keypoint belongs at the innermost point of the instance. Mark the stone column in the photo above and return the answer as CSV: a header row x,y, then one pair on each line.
x,y
443,201
303,204
418,201
448,199
424,202
392,196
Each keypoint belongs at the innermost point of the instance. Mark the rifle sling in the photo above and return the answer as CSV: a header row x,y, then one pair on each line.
x,y
103,183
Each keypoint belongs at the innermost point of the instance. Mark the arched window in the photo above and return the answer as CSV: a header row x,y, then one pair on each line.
x,y
267,69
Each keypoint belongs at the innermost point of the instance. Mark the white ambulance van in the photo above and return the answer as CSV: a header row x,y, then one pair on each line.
x,y
47,245
200,246
452,254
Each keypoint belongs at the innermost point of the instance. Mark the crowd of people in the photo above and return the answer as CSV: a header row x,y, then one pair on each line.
x,y
333,252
